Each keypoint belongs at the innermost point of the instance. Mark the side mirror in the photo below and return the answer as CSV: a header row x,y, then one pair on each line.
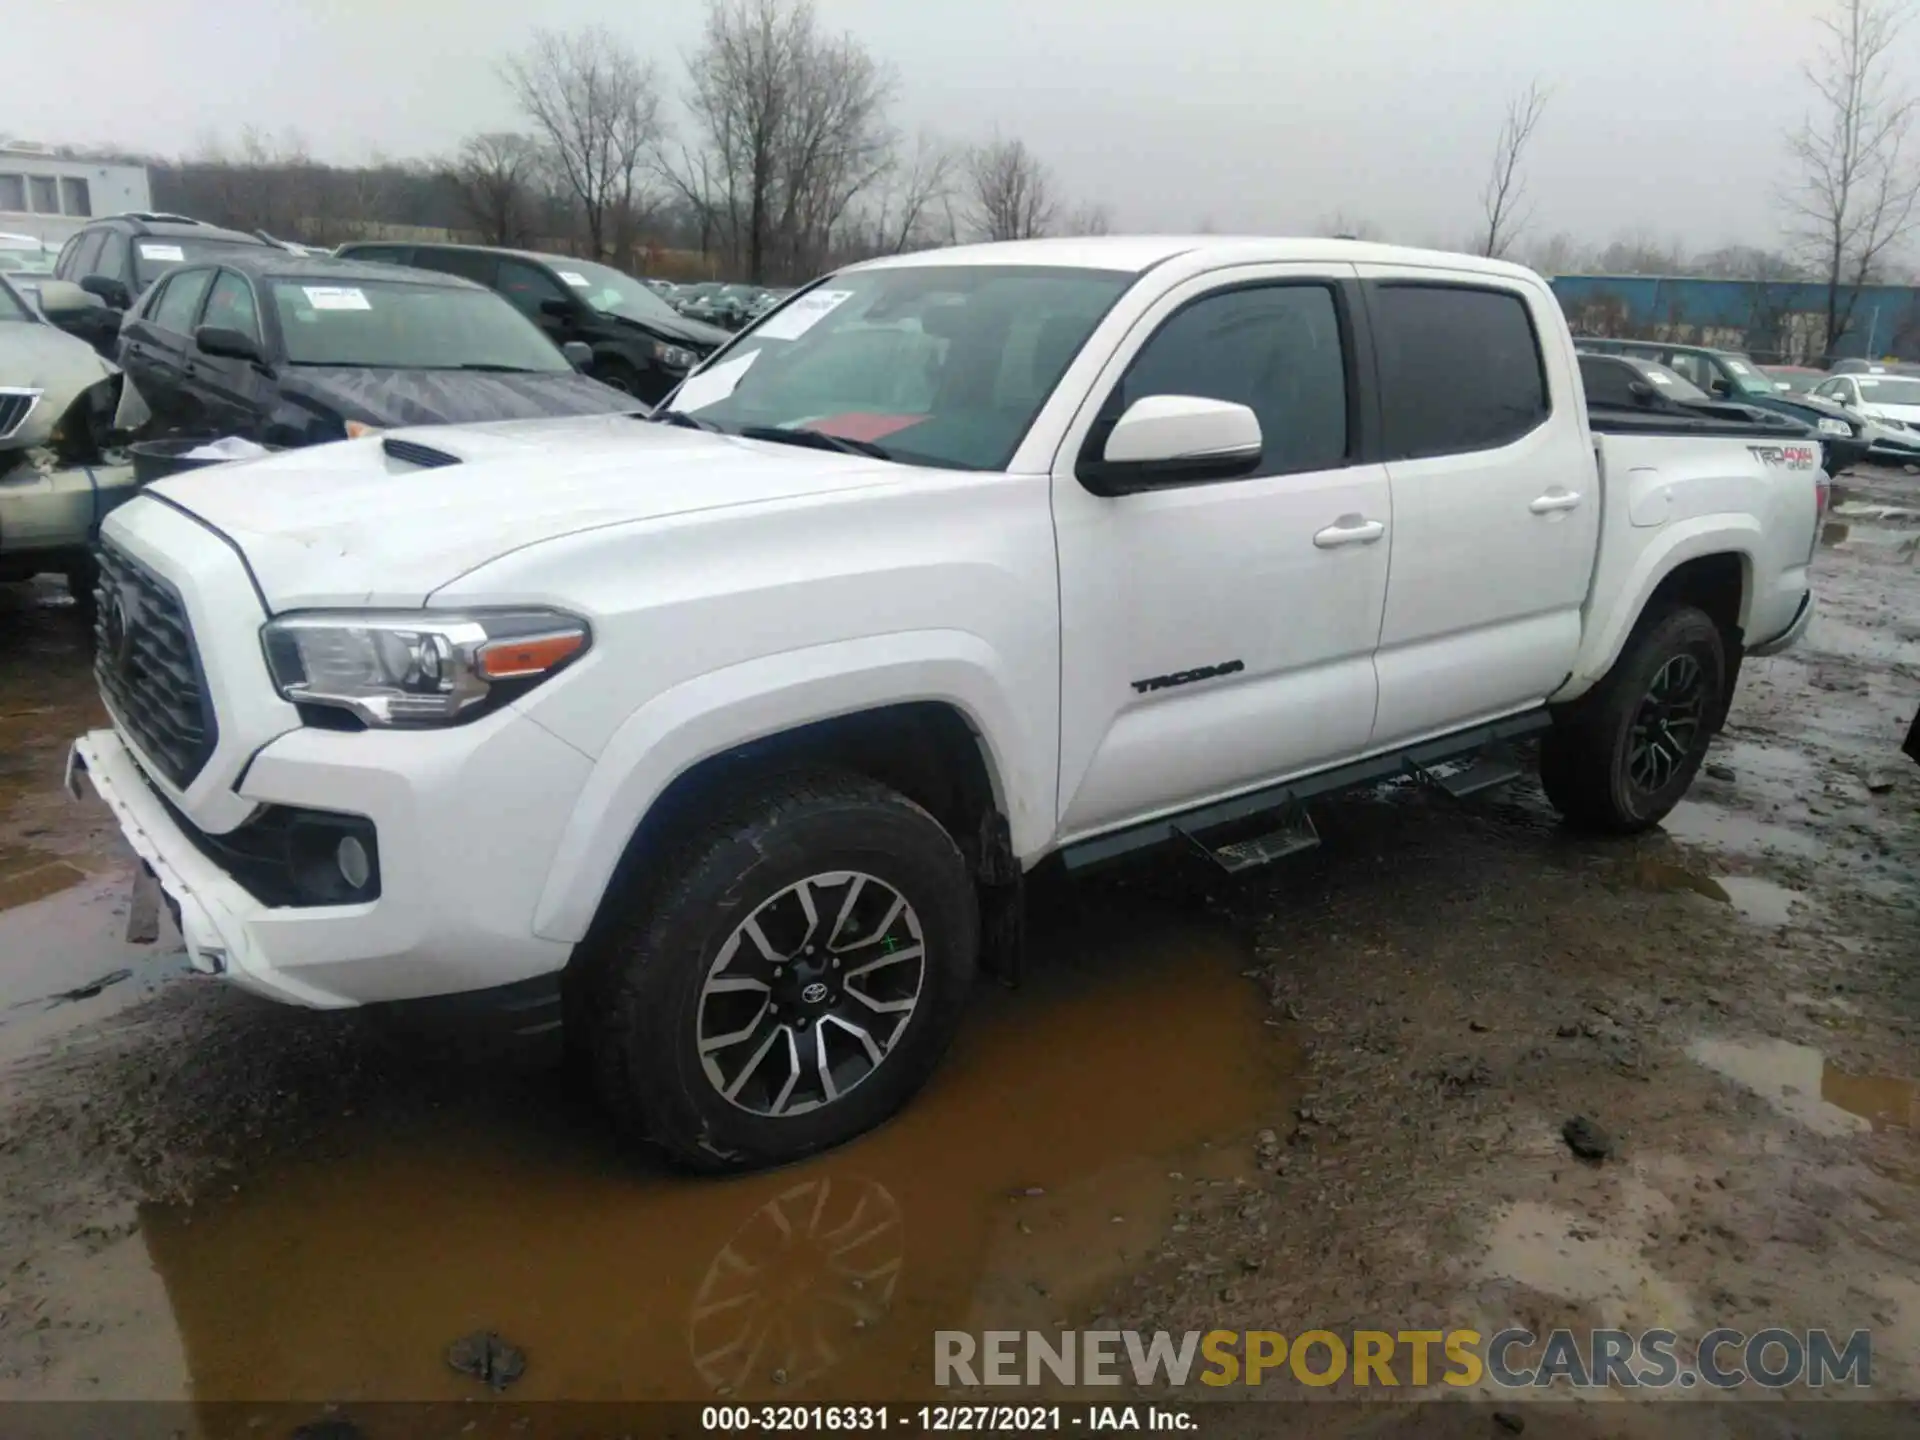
x,y
556,309
1719,389
113,292
227,344
1174,440
579,354
60,299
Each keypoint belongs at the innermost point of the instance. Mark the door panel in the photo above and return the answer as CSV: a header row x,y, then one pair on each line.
x,y
1495,501
1225,574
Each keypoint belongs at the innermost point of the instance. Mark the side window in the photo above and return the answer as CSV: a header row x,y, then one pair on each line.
x,y
1274,348
1607,382
1694,369
176,308
86,259
474,265
112,261
1459,369
526,286
64,265
230,306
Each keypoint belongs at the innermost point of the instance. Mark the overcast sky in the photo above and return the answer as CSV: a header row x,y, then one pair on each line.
x,y
1667,116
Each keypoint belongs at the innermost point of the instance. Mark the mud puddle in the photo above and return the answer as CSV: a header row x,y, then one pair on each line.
x,y
1799,1082
1758,901
1695,822
1045,1161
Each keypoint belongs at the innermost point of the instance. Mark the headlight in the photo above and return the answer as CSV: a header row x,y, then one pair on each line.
x,y
413,668
1836,427
673,357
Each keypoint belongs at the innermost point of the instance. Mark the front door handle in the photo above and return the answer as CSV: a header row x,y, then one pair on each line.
x,y
1349,530
1554,500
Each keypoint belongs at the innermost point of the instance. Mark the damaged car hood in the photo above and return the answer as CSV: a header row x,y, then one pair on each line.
x,y
386,520
61,368
451,397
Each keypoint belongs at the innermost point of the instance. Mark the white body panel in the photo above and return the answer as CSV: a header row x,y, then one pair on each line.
x,y
738,589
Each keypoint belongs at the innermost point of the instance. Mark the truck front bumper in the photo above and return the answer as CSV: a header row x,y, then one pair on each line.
x,y
465,829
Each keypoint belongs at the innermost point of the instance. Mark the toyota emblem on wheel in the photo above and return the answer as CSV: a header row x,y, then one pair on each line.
x,y
814,993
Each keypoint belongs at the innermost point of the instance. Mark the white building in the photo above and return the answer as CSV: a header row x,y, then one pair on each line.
x,y
49,198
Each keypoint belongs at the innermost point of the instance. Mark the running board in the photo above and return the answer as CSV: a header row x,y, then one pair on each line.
x,y
1493,767
1293,835
1267,799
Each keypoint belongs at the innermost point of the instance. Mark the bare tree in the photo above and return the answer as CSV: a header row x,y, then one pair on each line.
x,y
1502,199
913,210
1010,191
790,131
598,109
493,179
1859,181
1089,218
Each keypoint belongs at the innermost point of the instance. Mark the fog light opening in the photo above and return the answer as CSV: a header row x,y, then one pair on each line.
x,y
355,868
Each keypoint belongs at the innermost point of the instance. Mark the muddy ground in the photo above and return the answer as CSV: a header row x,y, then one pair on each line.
x,y
1329,1096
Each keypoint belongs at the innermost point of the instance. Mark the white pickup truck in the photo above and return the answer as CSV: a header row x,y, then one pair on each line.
x,y
746,722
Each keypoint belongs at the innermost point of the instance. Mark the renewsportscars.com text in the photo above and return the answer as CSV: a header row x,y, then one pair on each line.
x,y
1508,1359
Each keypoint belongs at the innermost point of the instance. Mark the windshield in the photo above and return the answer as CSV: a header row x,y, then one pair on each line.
x,y
935,365
12,307
1888,390
612,293
395,325
154,257
1795,382
25,262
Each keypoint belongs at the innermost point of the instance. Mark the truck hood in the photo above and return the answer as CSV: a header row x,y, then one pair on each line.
x,y
359,523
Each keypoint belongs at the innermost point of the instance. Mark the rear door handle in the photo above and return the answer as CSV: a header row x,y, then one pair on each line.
x,y
1349,530
1556,500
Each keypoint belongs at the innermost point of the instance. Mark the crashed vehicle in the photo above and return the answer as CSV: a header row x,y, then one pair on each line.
x,y
1890,401
741,728
284,351
58,476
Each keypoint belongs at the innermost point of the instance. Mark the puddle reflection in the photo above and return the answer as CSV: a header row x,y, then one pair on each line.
x,y
1798,1081
1030,1176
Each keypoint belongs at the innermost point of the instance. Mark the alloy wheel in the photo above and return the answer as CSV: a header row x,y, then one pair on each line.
x,y
1667,725
810,993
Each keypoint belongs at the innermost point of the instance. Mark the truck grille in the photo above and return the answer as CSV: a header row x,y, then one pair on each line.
x,y
148,669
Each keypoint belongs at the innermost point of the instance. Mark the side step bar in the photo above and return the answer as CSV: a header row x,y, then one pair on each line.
x,y
1487,747
1493,767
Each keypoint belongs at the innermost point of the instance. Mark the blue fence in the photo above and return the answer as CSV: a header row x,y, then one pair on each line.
x,y
1769,319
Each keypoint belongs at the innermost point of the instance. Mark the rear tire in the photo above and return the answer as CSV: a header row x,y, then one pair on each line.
x,y
788,977
1620,758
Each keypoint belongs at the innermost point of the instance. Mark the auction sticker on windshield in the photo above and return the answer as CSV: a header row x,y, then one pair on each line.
x,y
172,254
803,314
336,297
575,279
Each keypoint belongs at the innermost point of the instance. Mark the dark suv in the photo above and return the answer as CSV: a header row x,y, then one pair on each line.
x,y
640,343
119,256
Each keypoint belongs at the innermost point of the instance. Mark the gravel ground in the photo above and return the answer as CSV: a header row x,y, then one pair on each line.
x,y
1329,1096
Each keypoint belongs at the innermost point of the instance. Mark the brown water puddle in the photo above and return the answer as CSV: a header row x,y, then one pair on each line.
x,y
1036,1170
1800,1082
1762,902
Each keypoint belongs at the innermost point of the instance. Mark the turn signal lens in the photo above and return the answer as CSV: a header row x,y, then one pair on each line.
x,y
518,659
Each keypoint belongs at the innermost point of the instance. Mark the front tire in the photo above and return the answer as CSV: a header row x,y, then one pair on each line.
x,y
790,976
1620,758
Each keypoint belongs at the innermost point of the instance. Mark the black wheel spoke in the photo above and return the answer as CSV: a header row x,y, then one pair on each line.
x,y
1666,727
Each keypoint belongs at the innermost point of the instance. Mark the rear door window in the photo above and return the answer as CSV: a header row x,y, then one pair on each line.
x,y
181,302
1460,368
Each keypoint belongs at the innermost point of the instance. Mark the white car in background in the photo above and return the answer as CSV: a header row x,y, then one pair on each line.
x,y
1891,402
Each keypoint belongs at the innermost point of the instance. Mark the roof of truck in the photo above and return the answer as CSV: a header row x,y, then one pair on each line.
x,y
1135,253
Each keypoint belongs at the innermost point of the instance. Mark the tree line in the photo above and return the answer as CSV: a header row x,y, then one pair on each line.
x,y
771,154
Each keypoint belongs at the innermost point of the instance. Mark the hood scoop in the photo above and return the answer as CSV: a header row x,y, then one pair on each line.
x,y
412,452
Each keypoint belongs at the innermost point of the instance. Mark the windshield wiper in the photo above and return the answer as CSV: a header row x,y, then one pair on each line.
x,y
504,369
815,439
